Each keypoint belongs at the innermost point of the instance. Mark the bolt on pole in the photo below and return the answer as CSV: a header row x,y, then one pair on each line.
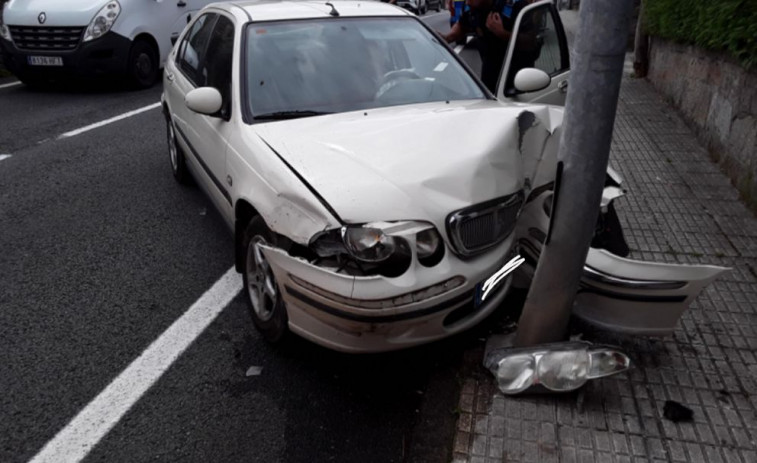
x,y
594,83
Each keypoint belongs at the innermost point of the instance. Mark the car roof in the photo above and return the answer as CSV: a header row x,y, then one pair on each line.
x,y
274,10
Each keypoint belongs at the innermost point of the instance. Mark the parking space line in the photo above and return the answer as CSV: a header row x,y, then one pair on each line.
x,y
4,156
81,434
12,84
109,121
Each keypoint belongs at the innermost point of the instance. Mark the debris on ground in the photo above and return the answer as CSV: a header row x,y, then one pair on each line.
x,y
254,371
677,412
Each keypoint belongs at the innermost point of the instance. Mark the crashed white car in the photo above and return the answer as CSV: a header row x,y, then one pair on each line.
x,y
373,184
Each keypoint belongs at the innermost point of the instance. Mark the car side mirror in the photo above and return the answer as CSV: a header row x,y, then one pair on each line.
x,y
531,80
204,100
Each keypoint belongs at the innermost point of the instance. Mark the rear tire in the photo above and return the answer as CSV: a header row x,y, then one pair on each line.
x,y
143,64
264,299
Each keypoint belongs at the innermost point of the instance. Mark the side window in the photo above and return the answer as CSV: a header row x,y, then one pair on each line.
x,y
192,49
538,45
217,65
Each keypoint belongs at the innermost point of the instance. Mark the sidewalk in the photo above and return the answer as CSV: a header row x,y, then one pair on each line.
x,y
679,208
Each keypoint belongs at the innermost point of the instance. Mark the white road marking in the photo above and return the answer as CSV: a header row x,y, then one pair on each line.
x,y
109,121
459,48
81,434
12,84
4,156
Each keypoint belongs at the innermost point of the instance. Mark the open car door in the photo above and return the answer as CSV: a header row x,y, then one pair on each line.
x,y
537,63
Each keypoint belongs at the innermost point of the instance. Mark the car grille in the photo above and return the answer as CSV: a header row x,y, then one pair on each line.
x,y
477,228
46,38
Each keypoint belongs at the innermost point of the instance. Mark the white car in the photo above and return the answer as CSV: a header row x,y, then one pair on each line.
x,y
354,228
43,39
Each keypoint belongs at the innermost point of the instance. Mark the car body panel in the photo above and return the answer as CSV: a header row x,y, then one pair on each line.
x,y
373,164
617,293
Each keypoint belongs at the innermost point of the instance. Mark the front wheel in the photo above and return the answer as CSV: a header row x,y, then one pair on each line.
x,y
143,64
264,300
176,155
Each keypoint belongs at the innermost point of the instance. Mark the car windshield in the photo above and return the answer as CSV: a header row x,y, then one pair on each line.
x,y
311,67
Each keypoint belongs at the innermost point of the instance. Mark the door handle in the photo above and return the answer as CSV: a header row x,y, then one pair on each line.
x,y
563,86
181,4
169,76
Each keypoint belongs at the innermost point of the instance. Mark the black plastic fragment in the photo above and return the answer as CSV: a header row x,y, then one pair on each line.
x,y
676,412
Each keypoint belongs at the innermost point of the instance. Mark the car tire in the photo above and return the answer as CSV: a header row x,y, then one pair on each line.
x,y
176,155
264,299
438,7
143,65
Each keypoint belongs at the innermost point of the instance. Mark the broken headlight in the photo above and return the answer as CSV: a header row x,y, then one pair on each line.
x,y
559,367
368,244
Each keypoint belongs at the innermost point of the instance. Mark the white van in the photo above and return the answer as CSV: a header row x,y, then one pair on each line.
x,y
40,39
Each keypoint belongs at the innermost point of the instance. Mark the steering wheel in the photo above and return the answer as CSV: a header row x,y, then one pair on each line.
x,y
392,78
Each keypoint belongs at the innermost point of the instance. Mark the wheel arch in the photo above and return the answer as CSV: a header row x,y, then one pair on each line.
x,y
243,213
147,37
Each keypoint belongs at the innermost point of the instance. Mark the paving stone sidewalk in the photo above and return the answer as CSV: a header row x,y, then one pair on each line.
x,y
679,208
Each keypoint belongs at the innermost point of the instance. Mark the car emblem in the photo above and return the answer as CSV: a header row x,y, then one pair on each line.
x,y
42,18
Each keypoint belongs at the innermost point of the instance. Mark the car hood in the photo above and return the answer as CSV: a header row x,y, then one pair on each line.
x,y
59,13
417,162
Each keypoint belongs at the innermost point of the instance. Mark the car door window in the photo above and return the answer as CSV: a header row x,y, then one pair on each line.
x,y
539,44
192,49
217,64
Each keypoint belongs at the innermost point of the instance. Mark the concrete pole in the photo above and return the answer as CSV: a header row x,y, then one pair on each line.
x,y
596,72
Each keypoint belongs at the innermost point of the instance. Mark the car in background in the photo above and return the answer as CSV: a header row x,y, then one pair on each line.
x,y
418,7
353,229
45,39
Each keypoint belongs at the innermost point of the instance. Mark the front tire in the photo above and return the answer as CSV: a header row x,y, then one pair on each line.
x,y
176,155
143,64
264,299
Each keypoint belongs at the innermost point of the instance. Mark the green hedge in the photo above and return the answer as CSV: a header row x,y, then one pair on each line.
x,y
721,25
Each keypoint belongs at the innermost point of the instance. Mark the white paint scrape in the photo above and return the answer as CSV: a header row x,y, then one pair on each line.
x,y
79,437
109,121
4,156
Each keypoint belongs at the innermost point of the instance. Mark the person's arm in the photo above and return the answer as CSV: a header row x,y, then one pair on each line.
x,y
455,33
494,24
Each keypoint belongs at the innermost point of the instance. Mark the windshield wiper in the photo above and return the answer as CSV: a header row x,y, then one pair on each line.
x,y
280,115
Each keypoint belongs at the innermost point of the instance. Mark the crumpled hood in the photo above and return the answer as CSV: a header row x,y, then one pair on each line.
x,y
58,12
417,162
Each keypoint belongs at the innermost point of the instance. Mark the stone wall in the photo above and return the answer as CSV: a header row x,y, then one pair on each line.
x,y
718,97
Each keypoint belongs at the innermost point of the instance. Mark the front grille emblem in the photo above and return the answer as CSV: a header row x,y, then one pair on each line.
x,y
42,18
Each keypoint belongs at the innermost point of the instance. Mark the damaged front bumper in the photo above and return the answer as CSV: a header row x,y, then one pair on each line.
x,y
375,314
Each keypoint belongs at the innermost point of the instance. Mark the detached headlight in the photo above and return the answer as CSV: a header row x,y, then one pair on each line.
x,y
559,367
103,21
5,32
368,244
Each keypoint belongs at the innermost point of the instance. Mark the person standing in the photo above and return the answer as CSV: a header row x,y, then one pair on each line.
x,y
492,21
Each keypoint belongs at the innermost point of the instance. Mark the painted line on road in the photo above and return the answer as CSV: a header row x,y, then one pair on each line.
x,y
12,84
459,48
81,434
109,121
4,156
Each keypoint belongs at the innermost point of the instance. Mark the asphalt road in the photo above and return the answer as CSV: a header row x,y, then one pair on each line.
x,y
101,251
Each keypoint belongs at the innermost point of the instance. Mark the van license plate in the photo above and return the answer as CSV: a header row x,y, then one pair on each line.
x,y
45,60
